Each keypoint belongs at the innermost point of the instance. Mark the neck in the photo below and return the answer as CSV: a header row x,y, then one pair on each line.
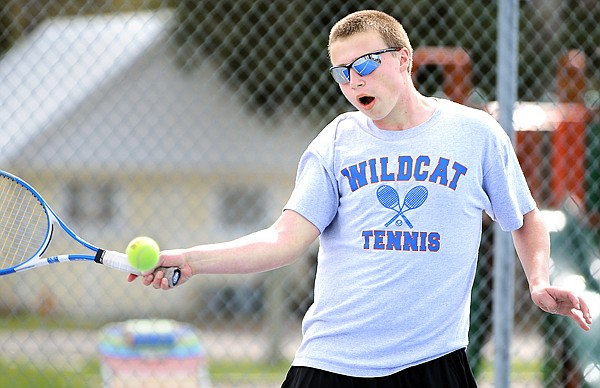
x,y
409,113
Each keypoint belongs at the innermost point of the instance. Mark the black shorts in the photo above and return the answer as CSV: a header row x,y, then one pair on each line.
x,y
449,371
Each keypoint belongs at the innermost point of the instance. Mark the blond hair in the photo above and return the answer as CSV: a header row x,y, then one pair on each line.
x,y
390,30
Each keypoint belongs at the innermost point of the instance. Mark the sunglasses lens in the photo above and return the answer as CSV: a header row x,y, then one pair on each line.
x,y
366,65
341,75
363,66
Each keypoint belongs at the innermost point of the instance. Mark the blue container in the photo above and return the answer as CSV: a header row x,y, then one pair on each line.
x,y
152,352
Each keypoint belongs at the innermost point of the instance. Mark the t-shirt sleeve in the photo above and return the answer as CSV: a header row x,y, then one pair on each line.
x,y
315,195
506,187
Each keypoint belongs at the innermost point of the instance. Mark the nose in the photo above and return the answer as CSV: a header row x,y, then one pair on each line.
x,y
356,80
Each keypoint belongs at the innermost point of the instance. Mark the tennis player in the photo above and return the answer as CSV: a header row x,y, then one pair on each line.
x,y
395,192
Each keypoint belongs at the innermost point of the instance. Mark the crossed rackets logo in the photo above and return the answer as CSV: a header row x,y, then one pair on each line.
x,y
388,197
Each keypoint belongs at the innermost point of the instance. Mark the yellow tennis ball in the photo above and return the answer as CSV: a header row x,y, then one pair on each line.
x,y
143,253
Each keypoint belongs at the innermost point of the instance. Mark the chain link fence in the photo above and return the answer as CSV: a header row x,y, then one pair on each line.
x,y
184,120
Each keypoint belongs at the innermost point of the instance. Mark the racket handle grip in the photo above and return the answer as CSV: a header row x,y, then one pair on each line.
x,y
172,274
392,220
408,223
120,262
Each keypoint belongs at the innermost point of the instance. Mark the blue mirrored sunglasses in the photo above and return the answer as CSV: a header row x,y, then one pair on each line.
x,y
363,66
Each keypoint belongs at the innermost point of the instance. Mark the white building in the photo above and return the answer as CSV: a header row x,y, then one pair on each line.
x,y
96,114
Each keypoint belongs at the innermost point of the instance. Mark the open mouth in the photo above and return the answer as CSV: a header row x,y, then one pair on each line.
x,y
366,100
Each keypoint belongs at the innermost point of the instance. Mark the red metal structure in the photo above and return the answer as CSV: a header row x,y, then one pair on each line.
x,y
550,138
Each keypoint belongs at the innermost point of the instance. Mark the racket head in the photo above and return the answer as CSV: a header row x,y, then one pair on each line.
x,y
25,224
415,197
388,196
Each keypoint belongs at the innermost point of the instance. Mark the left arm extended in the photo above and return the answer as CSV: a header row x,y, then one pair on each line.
x,y
532,243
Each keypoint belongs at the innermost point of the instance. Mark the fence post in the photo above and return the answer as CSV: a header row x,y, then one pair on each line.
x,y
504,256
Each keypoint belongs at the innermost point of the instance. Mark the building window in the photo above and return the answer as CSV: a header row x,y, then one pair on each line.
x,y
242,207
91,202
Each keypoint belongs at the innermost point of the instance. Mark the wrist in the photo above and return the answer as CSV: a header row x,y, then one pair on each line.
x,y
190,259
538,283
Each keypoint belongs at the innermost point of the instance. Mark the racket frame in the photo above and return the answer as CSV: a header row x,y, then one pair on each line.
x,y
105,257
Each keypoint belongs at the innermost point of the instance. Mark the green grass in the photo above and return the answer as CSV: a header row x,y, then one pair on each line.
x,y
248,371
22,375
19,374
519,371
34,321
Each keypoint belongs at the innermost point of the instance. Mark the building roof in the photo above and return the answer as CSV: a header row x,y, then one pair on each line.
x,y
105,92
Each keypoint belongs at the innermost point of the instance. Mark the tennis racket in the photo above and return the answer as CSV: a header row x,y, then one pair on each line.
x,y
388,197
26,226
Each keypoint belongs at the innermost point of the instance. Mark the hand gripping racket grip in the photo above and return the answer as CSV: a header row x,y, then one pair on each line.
x,y
119,261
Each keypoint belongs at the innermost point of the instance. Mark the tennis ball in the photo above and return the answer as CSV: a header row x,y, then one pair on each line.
x,y
143,253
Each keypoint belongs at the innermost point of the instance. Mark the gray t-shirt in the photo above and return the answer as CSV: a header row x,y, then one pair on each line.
x,y
400,216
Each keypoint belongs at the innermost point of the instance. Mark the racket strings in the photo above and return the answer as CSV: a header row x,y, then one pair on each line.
x,y
415,197
388,196
23,225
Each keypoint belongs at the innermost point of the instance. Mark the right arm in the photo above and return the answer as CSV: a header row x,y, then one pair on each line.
x,y
267,249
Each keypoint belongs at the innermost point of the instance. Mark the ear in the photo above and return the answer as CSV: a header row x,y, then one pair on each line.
x,y
403,56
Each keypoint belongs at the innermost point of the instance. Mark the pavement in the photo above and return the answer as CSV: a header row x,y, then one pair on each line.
x,y
72,350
